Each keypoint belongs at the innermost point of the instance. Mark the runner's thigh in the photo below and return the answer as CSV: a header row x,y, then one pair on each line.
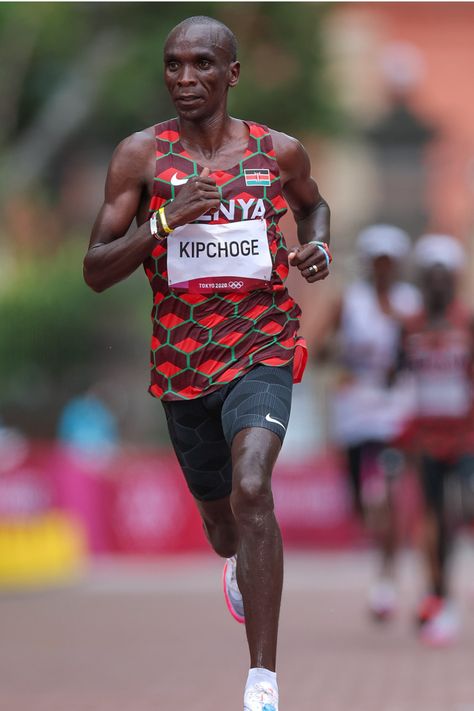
x,y
198,439
261,398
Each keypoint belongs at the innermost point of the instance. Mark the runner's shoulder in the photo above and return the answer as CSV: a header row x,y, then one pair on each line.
x,y
285,144
288,150
134,153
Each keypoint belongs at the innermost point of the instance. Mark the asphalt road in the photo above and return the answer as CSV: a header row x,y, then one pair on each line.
x,y
155,636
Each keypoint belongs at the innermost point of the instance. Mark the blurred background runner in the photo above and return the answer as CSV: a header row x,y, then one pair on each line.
x,y
438,350
369,411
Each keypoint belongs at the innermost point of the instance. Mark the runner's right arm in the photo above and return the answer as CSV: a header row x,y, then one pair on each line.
x,y
113,254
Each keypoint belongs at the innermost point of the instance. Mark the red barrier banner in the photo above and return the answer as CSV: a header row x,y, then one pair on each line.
x,y
138,503
313,504
148,508
27,486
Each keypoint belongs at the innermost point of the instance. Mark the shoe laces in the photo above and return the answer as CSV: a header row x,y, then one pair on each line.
x,y
261,693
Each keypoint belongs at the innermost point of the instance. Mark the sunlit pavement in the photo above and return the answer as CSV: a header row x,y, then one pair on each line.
x,y
155,635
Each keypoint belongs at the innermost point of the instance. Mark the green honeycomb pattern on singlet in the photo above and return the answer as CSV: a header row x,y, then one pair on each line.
x,y
201,341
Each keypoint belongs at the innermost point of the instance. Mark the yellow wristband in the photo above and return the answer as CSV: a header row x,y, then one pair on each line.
x,y
164,223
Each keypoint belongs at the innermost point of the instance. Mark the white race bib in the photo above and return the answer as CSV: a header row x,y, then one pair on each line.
x,y
446,396
229,257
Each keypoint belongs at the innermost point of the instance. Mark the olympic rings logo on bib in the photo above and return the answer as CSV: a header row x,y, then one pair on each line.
x,y
235,284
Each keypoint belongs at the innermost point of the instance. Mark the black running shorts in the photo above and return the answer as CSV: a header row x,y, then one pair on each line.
x,y
202,430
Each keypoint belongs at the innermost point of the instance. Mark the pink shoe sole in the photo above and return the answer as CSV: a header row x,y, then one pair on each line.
x,y
438,642
228,602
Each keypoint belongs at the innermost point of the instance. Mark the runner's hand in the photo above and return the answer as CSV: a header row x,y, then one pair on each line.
x,y
306,256
197,197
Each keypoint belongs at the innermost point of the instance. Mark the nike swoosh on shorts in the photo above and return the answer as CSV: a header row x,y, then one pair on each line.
x,y
277,422
178,181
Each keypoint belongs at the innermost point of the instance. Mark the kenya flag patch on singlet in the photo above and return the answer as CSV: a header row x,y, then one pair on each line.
x,y
257,177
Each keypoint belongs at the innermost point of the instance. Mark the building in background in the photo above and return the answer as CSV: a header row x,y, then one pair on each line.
x,y
406,154
386,57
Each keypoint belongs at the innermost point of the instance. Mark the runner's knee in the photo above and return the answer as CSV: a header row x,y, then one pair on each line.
x,y
251,490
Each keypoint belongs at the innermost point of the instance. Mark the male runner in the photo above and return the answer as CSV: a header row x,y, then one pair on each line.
x,y
368,411
438,348
224,339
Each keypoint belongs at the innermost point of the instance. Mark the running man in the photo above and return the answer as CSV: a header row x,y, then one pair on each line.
x,y
438,349
207,191
369,411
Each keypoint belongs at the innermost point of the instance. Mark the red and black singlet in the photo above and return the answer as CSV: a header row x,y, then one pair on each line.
x,y
203,341
441,361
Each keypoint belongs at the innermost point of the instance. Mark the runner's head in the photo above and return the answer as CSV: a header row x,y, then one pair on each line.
x,y
200,60
439,259
381,248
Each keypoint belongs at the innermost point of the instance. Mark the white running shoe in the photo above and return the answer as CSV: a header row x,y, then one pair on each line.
x,y
443,629
383,600
261,697
232,594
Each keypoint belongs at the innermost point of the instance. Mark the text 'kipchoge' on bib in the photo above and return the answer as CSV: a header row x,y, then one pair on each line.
x,y
230,257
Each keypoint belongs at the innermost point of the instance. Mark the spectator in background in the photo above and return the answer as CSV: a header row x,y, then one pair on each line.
x,y
89,428
368,413
438,349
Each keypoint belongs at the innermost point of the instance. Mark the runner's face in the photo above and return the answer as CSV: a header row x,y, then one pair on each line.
x,y
439,285
384,270
198,71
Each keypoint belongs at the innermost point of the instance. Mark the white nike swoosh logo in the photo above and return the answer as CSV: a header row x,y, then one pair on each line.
x,y
270,419
178,181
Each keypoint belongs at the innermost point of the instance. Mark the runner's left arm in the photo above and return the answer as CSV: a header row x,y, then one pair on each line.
x,y
310,210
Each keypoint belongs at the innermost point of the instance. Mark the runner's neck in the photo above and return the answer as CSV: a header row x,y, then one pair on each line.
x,y
216,144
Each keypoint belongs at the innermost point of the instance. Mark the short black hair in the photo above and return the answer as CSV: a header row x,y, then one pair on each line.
x,y
204,20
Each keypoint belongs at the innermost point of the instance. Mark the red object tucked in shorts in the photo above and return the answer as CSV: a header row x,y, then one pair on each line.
x,y
300,359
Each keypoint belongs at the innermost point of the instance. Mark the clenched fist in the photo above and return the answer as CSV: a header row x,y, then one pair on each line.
x,y
312,260
199,195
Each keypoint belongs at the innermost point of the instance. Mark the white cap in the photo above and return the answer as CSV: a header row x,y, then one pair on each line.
x,y
444,250
403,65
383,241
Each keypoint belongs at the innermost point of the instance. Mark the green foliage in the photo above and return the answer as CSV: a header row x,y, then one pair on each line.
x,y
52,327
282,61
44,318
55,332
280,47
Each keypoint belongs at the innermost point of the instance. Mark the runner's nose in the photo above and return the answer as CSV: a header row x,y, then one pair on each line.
x,y
186,77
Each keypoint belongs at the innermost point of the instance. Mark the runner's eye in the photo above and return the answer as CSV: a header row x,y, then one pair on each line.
x,y
172,66
204,64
